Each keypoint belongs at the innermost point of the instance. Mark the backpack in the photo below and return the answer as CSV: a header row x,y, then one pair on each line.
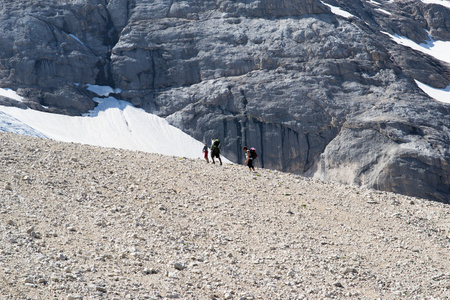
x,y
253,154
215,147
216,143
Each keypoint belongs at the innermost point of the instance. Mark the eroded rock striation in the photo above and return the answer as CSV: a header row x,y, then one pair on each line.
x,y
315,92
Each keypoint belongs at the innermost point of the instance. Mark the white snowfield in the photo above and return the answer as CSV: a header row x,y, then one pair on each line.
x,y
339,11
113,123
445,3
438,49
442,95
11,94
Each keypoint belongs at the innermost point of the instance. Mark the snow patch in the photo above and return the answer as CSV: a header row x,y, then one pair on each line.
x,y
11,124
445,3
9,93
76,39
374,2
384,11
113,123
441,95
338,11
437,49
101,90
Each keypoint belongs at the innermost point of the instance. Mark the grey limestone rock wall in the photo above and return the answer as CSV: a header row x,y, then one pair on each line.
x,y
47,47
316,94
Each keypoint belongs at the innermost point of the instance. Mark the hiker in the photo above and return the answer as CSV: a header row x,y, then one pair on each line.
x,y
250,155
215,150
205,152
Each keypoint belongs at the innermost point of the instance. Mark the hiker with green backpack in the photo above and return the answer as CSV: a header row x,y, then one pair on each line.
x,y
215,150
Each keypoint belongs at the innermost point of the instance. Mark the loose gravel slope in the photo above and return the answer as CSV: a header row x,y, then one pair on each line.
x,y
84,222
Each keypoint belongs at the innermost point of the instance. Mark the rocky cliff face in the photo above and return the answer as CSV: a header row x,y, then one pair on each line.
x,y
314,92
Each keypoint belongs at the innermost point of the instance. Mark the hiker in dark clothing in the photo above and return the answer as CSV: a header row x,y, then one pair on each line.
x,y
249,156
215,150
